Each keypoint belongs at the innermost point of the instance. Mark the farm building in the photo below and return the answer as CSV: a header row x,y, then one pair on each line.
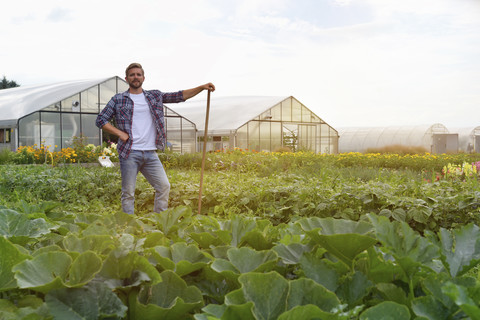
x,y
434,138
54,114
259,123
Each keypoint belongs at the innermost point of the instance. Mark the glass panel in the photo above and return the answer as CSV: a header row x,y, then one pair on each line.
x,y
188,137
71,104
122,86
315,118
276,135
2,135
50,130
242,137
296,111
53,107
29,130
90,100
266,116
287,110
70,128
306,137
8,135
276,112
265,136
290,136
254,135
107,91
306,115
89,129
174,133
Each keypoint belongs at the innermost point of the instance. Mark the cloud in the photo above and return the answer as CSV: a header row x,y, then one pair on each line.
x,y
59,15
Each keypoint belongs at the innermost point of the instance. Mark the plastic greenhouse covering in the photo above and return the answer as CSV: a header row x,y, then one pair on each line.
x,y
360,139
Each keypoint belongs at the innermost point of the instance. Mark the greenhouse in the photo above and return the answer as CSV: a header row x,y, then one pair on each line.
x,y
53,115
259,123
434,138
469,139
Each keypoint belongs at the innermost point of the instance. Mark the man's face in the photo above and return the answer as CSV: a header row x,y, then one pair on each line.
x,y
135,78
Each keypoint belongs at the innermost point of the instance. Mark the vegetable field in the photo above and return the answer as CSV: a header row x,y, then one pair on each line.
x,y
281,236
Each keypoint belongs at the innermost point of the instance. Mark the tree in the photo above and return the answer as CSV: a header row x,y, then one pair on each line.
x,y
5,84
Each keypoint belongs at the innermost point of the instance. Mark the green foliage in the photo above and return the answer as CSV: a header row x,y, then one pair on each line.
x,y
313,242
5,83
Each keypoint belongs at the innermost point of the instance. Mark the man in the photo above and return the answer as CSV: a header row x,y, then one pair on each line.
x,y
140,130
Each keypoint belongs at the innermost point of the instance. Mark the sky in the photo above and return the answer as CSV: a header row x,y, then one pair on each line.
x,y
355,63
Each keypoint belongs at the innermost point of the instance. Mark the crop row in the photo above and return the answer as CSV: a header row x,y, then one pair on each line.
x,y
328,192
177,265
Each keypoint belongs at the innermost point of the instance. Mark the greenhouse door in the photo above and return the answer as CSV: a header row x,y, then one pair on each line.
x,y
445,143
307,137
476,141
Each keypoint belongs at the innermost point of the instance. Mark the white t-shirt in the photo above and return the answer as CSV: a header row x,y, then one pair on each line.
x,y
143,128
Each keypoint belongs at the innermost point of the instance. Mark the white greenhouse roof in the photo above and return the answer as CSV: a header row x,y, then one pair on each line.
x,y
20,101
226,113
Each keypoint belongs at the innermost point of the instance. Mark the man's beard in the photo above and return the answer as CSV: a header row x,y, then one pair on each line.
x,y
135,84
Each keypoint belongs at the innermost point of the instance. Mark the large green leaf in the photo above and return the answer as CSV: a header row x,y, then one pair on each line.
x,y
345,239
238,226
307,312
11,255
227,312
354,288
386,310
331,226
268,292
34,311
322,271
169,299
44,272
460,248
307,292
206,232
410,250
243,260
291,253
169,221
94,301
19,229
391,292
126,270
211,239
180,257
84,268
463,298
430,308
433,283
246,259
377,268
53,270
101,244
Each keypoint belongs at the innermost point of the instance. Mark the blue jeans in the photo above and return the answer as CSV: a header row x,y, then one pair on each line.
x,y
148,163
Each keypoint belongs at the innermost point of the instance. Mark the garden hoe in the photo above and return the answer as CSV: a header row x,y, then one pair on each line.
x,y
203,155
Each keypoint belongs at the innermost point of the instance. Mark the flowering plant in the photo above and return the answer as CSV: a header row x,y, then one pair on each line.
x,y
465,170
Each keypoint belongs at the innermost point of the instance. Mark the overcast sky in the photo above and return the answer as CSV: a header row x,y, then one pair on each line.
x,y
352,62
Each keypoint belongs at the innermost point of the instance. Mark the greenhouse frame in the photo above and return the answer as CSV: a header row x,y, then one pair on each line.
x,y
54,115
259,123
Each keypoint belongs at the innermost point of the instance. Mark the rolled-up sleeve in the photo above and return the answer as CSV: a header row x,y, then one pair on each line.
x,y
173,97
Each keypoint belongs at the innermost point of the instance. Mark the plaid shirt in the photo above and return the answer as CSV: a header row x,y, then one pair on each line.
x,y
121,107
